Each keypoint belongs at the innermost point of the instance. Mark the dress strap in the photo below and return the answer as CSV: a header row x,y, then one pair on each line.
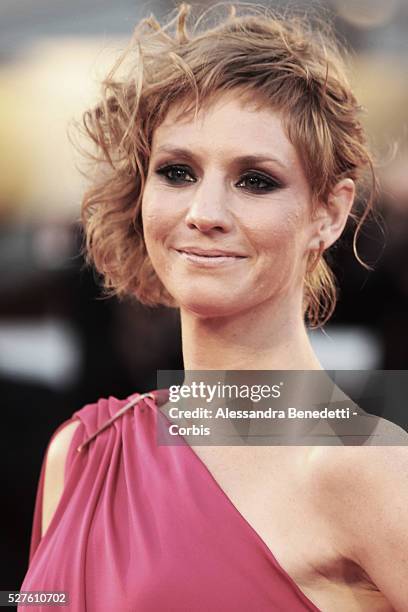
x,y
132,402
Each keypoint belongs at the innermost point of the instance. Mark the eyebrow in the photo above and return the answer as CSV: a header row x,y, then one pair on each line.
x,y
241,159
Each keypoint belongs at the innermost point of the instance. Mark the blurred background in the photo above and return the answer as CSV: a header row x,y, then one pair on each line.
x,y
61,345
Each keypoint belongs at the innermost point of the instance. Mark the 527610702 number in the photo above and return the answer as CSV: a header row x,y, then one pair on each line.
x,y
32,598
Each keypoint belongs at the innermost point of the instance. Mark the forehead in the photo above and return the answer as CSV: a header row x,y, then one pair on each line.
x,y
229,125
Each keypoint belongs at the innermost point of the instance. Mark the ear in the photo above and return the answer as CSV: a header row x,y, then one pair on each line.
x,y
332,215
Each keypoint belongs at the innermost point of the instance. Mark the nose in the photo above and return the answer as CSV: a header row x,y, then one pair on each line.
x,y
209,209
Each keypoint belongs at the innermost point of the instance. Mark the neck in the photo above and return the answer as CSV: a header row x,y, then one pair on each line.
x,y
264,338
217,350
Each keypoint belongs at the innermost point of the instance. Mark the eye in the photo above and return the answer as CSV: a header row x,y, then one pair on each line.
x,y
176,174
258,182
254,182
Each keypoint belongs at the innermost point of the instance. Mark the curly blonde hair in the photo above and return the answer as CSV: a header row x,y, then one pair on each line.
x,y
284,62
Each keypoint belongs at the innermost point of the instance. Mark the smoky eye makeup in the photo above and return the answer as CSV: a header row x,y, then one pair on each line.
x,y
252,180
176,173
260,181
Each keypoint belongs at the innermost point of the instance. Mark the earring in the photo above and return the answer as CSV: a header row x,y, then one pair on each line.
x,y
319,252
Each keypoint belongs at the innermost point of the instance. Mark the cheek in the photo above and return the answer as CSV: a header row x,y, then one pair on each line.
x,y
279,235
158,223
156,219
279,240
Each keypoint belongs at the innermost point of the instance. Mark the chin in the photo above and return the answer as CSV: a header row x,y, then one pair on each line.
x,y
209,306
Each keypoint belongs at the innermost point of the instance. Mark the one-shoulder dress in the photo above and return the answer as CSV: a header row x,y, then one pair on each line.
x,y
145,527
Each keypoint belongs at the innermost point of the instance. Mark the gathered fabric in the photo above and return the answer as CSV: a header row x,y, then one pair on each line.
x,y
144,527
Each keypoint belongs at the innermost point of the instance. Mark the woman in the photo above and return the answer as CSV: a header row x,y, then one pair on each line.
x,y
230,160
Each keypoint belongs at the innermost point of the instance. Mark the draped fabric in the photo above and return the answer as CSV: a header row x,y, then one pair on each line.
x,y
144,527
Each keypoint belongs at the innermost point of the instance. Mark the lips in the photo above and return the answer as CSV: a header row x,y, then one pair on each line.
x,y
210,259
209,252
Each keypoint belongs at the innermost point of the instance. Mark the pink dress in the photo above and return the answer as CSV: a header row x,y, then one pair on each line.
x,y
143,527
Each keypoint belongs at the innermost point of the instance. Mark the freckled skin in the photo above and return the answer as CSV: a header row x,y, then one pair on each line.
x,y
273,229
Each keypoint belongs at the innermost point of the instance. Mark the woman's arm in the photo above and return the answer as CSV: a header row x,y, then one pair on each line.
x,y
362,493
381,523
54,472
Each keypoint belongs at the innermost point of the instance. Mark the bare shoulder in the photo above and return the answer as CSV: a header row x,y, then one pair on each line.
x,y
360,471
348,473
384,440
54,471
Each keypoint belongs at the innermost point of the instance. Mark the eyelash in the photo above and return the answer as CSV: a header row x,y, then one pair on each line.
x,y
272,184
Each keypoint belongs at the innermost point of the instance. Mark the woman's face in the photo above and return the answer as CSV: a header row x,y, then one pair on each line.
x,y
228,182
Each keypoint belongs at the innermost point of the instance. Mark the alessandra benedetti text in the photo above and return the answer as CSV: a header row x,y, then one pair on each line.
x,y
268,413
